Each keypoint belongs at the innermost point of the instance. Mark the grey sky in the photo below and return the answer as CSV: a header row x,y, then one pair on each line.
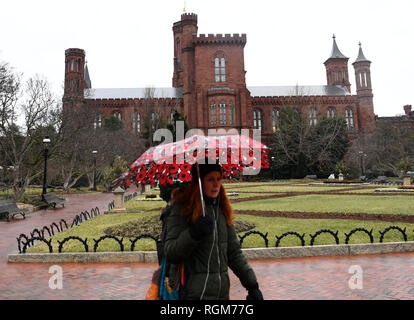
x,y
129,43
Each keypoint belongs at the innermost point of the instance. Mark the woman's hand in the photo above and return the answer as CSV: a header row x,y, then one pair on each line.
x,y
254,293
203,227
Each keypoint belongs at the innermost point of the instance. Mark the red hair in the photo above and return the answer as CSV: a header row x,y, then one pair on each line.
x,y
191,199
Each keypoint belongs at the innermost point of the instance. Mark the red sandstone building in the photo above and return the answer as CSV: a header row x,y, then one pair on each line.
x,y
209,87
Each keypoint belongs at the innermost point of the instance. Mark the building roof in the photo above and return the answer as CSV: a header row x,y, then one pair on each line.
x,y
266,91
286,91
132,93
335,53
361,57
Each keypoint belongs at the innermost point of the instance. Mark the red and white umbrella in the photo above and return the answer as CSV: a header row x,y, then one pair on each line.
x,y
171,163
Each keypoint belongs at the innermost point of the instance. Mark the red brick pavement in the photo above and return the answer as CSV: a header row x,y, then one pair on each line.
x,y
388,276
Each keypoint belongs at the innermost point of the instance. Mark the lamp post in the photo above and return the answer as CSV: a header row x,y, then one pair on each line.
x,y
273,169
94,152
46,141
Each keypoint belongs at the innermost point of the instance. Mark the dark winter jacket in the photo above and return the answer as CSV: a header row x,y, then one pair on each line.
x,y
206,261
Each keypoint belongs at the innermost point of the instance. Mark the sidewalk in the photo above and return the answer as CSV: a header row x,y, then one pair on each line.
x,y
388,276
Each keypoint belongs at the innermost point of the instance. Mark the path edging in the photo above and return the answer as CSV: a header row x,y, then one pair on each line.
x,y
251,254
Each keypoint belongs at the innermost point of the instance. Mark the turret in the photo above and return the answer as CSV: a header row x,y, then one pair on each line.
x,y
184,31
362,74
364,90
337,68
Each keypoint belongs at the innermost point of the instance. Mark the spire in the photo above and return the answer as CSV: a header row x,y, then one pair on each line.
x,y
87,78
361,57
336,54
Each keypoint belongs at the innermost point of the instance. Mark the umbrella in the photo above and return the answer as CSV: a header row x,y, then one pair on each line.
x,y
121,180
171,163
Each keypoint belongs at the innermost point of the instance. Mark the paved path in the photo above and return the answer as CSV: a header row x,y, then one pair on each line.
x,y
388,276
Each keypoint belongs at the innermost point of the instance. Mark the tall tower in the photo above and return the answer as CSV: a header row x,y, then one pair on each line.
x,y
364,90
337,68
76,77
185,31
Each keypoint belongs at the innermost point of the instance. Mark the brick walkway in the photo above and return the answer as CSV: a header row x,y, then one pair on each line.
x,y
388,276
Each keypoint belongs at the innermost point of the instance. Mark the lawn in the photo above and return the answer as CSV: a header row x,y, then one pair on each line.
x,y
333,203
278,226
94,229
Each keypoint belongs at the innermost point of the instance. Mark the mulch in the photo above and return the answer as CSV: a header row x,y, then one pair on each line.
x,y
389,217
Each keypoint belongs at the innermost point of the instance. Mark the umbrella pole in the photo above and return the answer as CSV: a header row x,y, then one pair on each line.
x,y
201,190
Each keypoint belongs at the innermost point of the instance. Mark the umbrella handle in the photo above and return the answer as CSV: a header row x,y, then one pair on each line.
x,y
201,191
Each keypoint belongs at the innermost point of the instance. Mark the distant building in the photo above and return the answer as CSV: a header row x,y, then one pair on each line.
x,y
209,87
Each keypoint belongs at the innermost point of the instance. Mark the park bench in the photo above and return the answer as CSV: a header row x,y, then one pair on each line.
x,y
9,208
52,200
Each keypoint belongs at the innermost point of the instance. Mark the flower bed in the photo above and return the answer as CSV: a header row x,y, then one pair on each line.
x,y
342,181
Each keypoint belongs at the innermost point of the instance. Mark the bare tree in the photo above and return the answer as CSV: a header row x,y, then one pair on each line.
x,y
384,148
26,115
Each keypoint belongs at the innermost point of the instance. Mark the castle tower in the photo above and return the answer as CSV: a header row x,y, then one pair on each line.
x,y
76,76
184,32
364,90
337,68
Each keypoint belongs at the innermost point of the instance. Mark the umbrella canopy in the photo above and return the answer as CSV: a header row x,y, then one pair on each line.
x,y
171,163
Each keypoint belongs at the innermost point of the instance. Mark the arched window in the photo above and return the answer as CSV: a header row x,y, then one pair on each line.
x,y
336,75
97,123
257,119
178,53
331,112
222,113
79,65
136,122
72,66
275,119
349,118
343,75
213,116
220,68
313,117
231,114
155,120
118,115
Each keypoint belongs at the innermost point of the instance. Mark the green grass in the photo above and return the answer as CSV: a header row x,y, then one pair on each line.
x,y
94,229
134,205
333,203
38,191
278,226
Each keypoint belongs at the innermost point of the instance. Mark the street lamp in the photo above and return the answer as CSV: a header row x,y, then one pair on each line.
x,y
94,152
46,141
273,169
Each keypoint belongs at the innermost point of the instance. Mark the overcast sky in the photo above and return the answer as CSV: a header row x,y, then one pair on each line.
x,y
129,43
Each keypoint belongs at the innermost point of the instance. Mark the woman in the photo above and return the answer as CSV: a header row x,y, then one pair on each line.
x,y
206,245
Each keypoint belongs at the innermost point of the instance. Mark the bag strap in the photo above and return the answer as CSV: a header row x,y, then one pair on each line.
x,y
162,284
182,273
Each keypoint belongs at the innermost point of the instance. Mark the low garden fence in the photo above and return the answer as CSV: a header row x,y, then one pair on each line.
x,y
24,241
37,235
